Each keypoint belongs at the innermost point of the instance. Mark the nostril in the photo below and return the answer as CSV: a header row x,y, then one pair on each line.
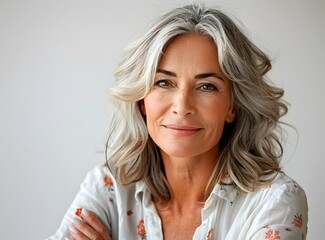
x,y
183,112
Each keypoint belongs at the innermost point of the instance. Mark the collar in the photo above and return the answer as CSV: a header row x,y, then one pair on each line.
x,y
225,192
140,191
224,189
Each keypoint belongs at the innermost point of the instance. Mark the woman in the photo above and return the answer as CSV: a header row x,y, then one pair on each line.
x,y
193,151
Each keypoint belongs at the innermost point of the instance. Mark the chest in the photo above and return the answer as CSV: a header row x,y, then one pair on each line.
x,y
180,226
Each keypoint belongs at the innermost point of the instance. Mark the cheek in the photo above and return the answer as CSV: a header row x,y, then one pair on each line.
x,y
150,108
153,105
216,117
152,122
156,109
217,109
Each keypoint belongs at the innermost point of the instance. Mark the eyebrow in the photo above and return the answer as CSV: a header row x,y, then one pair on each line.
x,y
166,72
199,76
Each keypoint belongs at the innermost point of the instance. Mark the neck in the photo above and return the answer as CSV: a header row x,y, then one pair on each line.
x,y
188,179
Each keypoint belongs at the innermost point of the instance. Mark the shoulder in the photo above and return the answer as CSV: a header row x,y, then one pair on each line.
x,y
103,180
284,199
283,191
100,175
281,195
280,207
284,188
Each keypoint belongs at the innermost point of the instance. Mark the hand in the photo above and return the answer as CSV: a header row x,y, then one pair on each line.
x,y
88,226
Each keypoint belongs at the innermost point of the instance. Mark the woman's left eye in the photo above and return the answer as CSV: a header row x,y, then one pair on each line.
x,y
208,87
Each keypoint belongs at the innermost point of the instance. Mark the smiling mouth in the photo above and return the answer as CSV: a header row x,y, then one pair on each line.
x,y
182,130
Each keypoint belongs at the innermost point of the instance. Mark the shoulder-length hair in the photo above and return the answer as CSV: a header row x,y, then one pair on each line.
x,y
250,148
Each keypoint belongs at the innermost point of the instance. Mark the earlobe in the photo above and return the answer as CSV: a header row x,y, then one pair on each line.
x,y
231,115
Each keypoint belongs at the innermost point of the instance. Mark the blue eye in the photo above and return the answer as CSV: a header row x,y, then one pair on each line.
x,y
163,83
208,87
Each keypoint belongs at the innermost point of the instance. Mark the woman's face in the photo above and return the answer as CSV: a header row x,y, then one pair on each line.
x,y
190,101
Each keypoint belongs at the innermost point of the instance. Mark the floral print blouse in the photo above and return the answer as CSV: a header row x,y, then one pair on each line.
x,y
276,212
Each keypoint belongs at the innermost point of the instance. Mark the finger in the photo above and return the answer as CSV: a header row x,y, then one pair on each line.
x,y
86,230
76,234
95,223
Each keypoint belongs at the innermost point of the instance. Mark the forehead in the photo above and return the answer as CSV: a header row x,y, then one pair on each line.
x,y
193,49
192,38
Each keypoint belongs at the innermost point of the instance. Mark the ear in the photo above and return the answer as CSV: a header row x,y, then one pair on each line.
x,y
142,107
231,116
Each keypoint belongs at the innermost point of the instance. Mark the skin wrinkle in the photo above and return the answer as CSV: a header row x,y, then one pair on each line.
x,y
185,113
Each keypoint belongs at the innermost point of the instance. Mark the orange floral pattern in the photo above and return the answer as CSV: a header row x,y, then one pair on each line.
x,y
78,212
129,212
209,235
222,177
109,183
297,221
134,212
142,230
273,235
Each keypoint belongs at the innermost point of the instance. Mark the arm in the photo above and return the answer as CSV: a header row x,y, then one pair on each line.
x,y
92,197
88,227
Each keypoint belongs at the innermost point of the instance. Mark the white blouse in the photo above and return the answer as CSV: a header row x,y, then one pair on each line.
x,y
276,212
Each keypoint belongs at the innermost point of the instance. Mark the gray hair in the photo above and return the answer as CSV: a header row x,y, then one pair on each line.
x,y
250,148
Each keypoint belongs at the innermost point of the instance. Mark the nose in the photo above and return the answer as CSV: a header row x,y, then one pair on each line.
x,y
183,103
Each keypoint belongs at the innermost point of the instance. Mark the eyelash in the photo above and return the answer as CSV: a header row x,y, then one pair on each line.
x,y
167,84
164,82
211,87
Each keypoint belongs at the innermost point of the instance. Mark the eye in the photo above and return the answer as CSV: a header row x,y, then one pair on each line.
x,y
208,87
163,83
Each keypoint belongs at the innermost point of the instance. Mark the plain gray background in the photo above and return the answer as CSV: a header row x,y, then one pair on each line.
x,y
56,64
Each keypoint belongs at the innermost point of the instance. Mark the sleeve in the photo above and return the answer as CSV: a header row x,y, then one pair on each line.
x,y
94,195
283,216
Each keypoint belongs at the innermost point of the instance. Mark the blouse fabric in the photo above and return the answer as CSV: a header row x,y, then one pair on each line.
x,y
278,211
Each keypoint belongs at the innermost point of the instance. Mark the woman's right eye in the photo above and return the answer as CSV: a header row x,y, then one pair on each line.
x,y
163,83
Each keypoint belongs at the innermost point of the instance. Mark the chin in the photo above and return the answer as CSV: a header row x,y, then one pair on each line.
x,y
181,152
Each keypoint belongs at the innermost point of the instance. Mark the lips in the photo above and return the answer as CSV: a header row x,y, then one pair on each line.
x,y
182,130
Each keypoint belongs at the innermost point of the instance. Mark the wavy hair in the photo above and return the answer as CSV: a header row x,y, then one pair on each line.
x,y
250,148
